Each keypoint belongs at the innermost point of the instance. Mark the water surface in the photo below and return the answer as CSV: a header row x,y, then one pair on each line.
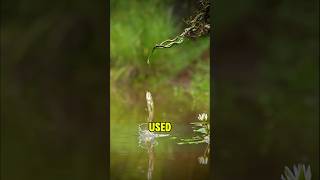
x,y
166,159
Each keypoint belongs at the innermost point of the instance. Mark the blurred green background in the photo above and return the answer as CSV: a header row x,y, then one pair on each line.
x,y
53,90
266,87
54,83
177,77
135,28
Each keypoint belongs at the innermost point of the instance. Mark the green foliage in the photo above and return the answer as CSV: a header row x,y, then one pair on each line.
x,y
133,34
135,28
202,128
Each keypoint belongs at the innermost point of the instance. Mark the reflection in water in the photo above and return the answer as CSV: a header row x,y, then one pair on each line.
x,y
153,158
146,138
202,127
151,161
204,159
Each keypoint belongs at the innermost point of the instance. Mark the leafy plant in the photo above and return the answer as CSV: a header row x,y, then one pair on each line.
x,y
201,127
299,173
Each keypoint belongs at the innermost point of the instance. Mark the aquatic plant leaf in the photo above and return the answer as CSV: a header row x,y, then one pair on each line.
x,y
192,139
201,130
197,123
202,127
191,142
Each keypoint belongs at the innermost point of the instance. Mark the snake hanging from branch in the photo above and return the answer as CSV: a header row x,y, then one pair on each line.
x,y
198,26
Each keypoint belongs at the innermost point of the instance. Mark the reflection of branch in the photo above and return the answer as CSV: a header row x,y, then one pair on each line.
x,y
151,161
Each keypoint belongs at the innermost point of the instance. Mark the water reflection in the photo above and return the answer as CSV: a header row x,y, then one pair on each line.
x,y
202,128
137,153
146,138
204,159
151,161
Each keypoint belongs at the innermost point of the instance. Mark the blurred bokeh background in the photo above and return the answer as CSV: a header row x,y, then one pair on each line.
x,y
266,87
54,85
177,77
53,90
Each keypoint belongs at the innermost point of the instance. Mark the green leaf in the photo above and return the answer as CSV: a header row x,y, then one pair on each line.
x,y
201,130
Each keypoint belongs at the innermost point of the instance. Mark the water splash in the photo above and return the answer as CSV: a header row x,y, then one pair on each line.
x,y
147,139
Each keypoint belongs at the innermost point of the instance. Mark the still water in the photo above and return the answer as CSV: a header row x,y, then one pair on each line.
x,y
133,158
